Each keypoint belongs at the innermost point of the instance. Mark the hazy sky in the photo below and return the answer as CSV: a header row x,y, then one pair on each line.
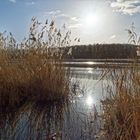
x,y
94,21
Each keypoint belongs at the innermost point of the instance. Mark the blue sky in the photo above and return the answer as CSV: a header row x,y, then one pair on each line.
x,y
94,21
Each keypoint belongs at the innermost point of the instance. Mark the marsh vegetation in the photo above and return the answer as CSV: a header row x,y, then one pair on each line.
x,y
28,72
39,100
121,109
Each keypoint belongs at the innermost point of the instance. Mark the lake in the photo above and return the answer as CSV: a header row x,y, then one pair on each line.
x,y
77,120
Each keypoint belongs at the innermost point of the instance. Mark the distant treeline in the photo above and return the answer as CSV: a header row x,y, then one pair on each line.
x,y
96,51
100,51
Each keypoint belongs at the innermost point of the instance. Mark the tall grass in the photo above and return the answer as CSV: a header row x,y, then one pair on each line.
x,y
121,110
36,122
29,71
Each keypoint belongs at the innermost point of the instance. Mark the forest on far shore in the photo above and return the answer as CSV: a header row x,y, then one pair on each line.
x,y
98,51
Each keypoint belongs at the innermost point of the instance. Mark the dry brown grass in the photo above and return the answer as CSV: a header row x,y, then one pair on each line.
x,y
121,110
27,73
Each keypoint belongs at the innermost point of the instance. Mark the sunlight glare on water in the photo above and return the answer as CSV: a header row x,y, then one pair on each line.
x,y
89,100
90,70
90,63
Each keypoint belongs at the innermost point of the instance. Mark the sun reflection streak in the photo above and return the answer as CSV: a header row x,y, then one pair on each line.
x,y
90,70
89,100
91,63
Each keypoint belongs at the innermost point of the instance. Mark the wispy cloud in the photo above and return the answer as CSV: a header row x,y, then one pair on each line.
x,y
59,13
63,15
53,13
112,37
75,19
126,6
75,22
13,1
76,25
30,3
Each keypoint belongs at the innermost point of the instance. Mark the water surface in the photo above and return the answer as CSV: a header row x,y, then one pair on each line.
x,y
77,120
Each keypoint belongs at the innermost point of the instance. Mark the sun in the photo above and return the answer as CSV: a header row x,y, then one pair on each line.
x,y
91,20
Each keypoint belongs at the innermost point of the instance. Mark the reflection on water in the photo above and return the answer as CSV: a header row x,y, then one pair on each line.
x,y
34,121
86,73
89,100
90,70
75,119
91,63
101,62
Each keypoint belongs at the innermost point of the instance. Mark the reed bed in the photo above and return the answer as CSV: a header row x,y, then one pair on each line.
x,y
29,71
121,109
